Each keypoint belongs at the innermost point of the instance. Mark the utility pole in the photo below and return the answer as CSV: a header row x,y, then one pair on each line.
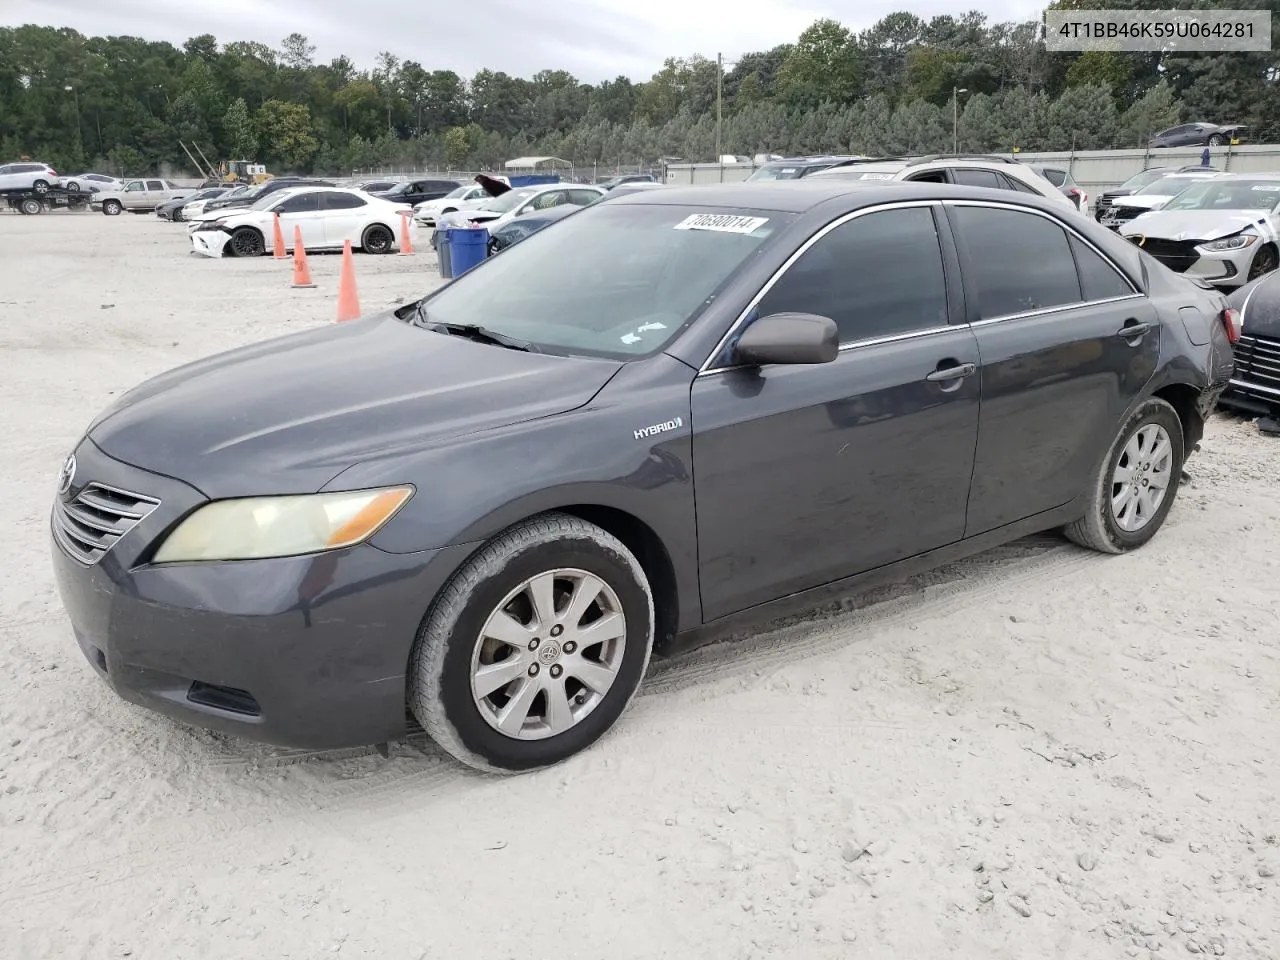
x,y
719,103
955,117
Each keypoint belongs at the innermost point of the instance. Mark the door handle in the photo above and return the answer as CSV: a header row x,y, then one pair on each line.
x,y
1132,329
955,372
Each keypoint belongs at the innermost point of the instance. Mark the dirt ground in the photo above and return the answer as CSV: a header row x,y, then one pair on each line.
x,y
1040,752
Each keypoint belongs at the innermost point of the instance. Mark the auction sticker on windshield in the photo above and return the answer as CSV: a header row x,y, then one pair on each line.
x,y
721,222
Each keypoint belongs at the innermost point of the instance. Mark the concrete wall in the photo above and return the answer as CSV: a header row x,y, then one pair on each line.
x,y
1094,170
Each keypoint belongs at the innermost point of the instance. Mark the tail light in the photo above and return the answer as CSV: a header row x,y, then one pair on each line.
x,y
53,172
1231,323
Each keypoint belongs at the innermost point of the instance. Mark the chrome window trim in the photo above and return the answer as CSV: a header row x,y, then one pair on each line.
x,y
1061,308
705,369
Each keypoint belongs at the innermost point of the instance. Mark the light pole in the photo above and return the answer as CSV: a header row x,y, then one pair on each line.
x,y
955,117
75,99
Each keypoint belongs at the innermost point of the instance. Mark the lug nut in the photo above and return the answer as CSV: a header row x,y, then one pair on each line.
x,y
533,669
557,630
570,646
533,644
556,671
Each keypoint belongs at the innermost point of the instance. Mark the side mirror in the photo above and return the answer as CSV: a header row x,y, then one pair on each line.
x,y
788,338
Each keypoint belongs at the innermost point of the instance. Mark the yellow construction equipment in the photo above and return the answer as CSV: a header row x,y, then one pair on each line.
x,y
243,171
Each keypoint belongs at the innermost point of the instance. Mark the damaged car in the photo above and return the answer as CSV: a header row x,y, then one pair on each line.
x,y
1254,389
1222,231
326,216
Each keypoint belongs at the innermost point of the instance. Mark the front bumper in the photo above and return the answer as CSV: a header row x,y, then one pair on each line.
x,y
1223,268
307,652
208,243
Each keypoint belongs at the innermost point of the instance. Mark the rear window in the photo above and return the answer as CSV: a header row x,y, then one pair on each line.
x,y
614,280
1056,177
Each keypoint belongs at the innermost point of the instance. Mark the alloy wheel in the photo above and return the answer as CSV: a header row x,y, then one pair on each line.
x,y
548,655
378,239
1141,477
246,243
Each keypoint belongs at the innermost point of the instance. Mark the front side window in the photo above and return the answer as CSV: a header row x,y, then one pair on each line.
x,y
134,187
583,197
613,280
301,203
1019,262
878,275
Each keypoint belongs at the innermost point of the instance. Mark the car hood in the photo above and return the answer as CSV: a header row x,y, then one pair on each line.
x,y
289,414
1144,201
1196,224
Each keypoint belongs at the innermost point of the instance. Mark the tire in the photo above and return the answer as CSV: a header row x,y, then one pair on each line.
x,y
31,207
1099,528
246,242
1264,261
450,646
73,187
40,186
111,208
1217,140
378,239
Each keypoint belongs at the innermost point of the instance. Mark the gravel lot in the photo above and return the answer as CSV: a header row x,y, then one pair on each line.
x,y
1041,752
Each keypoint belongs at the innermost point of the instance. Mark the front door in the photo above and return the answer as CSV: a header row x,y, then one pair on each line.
x,y
807,474
1067,345
302,210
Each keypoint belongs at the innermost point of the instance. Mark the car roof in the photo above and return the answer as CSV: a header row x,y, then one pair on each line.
x,y
801,196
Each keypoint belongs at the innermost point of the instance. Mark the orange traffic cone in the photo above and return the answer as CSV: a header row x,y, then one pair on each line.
x,y
406,243
348,300
301,272
277,240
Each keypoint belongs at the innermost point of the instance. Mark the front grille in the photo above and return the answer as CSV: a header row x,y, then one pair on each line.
x,y
1122,214
1258,361
91,524
1103,204
1177,255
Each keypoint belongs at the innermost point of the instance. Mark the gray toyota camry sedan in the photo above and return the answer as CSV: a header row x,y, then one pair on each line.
x,y
665,414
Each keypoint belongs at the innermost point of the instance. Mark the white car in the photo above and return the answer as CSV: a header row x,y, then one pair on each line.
x,y
1151,197
514,201
196,207
991,171
91,182
466,197
327,216
38,177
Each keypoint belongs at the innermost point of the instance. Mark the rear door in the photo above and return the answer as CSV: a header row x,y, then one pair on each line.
x,y
343,215
1067,345
808,474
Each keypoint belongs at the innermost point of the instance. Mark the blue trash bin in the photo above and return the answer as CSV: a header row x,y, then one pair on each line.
x,y
468,246
442,253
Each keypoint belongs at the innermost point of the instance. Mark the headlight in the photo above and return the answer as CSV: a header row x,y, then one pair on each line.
x,y
257,527
211,225
1238,242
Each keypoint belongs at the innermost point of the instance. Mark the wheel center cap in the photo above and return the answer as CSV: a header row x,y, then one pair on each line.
x,y
549,652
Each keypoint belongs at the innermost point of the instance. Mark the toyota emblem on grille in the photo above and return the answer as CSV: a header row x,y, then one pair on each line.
x,y
67,475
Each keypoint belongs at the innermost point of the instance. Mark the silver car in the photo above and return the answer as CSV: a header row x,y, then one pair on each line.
x,y
1223,231
38,177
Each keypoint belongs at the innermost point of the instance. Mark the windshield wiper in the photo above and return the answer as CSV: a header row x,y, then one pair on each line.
x,y
472,331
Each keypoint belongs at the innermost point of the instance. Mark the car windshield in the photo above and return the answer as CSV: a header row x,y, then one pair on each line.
x,y
1166,186
861,173
1140,180
509,200
1228,195
266,200
457,194
615,280
778,171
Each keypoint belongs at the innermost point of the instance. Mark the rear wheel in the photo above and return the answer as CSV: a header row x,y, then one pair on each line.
x,y
1135,486
534,647
73,187
31,207
111,208
378,239
40,186
1217,140
246,242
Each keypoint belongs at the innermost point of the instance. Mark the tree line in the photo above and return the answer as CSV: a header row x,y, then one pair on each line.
x,y
125,104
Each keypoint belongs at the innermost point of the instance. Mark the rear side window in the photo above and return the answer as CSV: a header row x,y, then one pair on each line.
x,y
1013,183
1019,262
1056,177
1098,279
978,178
154,185
878,275
342,201
582,197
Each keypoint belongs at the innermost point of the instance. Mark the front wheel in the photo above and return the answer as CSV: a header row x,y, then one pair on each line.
x,y
112,208
246,242
1135,486
73,187
1264,261
378,239
1217,140
535,646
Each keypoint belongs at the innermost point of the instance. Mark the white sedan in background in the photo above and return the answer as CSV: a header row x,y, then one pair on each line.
x,y
196,207
327,217
466,197
92,183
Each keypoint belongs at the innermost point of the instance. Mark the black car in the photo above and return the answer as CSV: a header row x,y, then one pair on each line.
x,y
796,167
261,190
416,191
674,412
1197,135
1255,383
618,181
376,186
172,209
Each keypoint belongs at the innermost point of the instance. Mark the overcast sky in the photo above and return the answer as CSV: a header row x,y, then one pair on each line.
x,y
593,39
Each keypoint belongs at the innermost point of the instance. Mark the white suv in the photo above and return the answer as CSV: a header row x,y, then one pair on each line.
x,y
996,172
28,176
